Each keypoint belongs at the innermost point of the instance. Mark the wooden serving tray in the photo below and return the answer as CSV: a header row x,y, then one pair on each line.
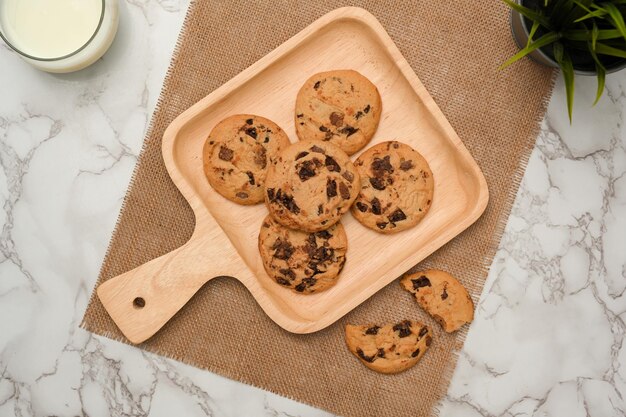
x,y
224,242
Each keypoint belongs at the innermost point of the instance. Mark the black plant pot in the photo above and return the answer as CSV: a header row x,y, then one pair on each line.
x,y
520,29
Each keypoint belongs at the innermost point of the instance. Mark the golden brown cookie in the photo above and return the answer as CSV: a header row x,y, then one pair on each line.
x,y
442,296
342,107
310,185
237,153
396,187
305,262
390,348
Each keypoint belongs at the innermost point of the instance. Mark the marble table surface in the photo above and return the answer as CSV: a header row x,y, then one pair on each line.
x,y
549,329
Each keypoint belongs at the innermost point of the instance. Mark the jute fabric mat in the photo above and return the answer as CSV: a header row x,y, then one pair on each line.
x,y
455,49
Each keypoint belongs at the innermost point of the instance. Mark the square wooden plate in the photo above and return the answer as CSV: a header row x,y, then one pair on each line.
x,y
225,240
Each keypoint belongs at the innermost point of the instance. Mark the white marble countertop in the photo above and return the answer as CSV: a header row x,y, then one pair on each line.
x,y
549,330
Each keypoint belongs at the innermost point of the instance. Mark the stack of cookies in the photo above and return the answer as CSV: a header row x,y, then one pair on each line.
x,y
309,185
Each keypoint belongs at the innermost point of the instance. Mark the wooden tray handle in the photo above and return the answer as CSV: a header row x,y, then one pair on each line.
x,y
141,301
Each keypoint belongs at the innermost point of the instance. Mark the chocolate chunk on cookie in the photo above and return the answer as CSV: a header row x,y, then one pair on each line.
x,y
396,187
342,107
390,348
237,153
442,296
305,262
310,185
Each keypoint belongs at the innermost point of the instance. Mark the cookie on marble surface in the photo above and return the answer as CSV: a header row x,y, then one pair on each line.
x,y
305,262
237,153
310,185
442,296
390,348
342,107
396,187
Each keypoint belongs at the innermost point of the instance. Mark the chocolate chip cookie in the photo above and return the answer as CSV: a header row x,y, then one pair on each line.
x,y
342,107
442,296
237,153
305,262
396,187
390,348
310,185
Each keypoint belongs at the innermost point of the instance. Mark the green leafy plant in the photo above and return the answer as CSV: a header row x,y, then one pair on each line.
x,y
575,33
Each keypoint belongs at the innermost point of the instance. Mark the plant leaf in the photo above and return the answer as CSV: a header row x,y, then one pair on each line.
x,y
577,12
601,75
561,12
587,35
595,13
617,43
528,13
616,17
567,68
594,35
605,49
571,11
533,29
583,5
546,39
559,6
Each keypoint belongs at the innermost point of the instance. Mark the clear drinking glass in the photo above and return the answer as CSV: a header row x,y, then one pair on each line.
x,y
90,44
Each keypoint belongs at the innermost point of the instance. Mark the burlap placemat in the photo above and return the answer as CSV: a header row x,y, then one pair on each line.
x,y
455,49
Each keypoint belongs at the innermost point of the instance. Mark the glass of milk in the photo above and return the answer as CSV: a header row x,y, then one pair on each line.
x,y
59,35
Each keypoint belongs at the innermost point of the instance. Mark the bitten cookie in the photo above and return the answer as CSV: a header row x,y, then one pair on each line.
x,y
442,296
396,187
310,185
305,262
342,107
237,153
390,348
